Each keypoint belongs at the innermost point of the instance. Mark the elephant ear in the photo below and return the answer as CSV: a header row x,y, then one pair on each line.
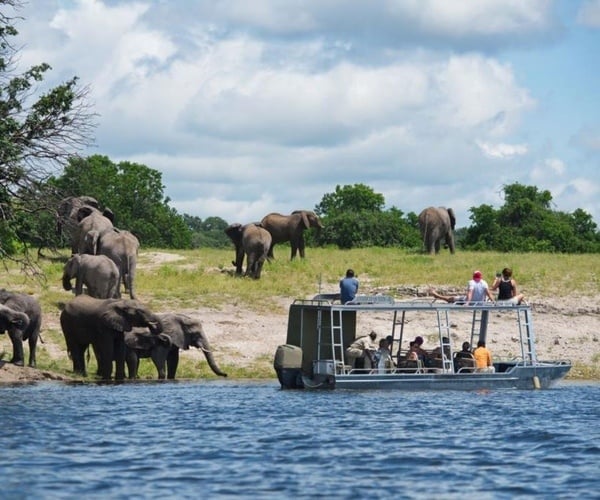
x,y
116,318
83,212
452,218
179,329
305,220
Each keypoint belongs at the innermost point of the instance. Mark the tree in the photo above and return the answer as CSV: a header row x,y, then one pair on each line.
x,y
36,136
350,198
353,217
135,194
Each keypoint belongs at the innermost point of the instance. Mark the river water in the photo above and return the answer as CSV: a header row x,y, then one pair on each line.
x,y
227,439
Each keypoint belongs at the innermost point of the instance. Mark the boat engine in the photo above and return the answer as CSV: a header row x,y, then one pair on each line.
x,y
288,366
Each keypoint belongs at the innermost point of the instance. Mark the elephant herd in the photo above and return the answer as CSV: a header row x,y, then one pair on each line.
x,y
255,241
119,330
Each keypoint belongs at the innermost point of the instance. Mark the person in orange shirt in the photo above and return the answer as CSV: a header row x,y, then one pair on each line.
x,y
483,358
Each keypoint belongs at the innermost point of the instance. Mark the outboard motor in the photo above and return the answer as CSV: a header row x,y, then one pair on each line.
x,y
288,366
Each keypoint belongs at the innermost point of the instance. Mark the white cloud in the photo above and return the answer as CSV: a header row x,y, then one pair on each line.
x,y
589,13
502,150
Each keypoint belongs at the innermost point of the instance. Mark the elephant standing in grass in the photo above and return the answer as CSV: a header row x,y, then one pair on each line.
x,y
67,217
290,228
122,248
20,331
97,272
179,332
437,224
253,241
102,323
95,223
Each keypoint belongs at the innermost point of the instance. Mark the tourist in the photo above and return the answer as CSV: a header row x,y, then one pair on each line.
x,y
362,349
383,357
348,287
507,288
483,358
477,291
464,359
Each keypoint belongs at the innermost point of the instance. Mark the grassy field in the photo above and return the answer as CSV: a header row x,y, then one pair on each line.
x,y
204,277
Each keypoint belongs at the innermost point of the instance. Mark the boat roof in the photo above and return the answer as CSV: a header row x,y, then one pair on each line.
x,y
388,303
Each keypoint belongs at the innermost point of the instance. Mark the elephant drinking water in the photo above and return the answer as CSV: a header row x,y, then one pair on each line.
x,y
180,331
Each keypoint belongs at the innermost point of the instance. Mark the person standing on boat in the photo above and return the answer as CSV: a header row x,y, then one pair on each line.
x,y
362,348
483,358
348,287
507,288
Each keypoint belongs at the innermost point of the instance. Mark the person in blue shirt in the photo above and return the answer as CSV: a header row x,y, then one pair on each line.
x,y
348,287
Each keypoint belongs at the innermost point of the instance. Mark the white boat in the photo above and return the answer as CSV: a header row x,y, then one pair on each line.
x,y
320,330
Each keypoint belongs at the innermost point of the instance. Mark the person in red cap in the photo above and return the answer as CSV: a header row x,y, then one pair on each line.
x,y
479,289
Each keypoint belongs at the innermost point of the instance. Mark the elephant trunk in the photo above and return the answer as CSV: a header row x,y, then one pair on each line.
x,y
66,281
212,363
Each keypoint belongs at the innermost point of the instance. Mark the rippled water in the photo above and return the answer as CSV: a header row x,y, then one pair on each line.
x,y
234,439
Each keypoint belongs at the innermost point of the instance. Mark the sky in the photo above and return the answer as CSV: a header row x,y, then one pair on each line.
x,y
251,107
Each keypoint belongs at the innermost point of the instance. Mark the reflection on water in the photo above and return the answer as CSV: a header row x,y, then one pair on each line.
x,y
225,439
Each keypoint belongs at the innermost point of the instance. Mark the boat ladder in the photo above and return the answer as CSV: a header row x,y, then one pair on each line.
x,y
444,332
526,336
337,338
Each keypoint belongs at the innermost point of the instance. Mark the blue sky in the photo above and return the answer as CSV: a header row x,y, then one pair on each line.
x,y
254,107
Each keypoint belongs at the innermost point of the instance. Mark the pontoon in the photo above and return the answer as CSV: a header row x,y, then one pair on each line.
x,y
320,330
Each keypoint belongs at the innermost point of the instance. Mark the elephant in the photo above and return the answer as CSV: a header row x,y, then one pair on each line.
x,y
97,272
122,248
92,220
102,323
290,228
252,240
67,217
180,331
30,331
437,223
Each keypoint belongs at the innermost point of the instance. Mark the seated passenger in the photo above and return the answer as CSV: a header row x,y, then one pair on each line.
x,y
464,359
483,358
383,357
507,288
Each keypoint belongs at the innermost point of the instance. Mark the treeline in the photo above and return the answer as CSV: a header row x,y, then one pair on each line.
x,y
353,216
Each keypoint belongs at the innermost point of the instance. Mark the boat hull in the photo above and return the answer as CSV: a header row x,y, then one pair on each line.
x,y
519,377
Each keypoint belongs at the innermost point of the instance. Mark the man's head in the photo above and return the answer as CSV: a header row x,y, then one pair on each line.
x,y
419,341
350,273
373,335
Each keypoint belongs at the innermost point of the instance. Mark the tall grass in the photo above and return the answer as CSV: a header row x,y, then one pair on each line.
x,y
205,277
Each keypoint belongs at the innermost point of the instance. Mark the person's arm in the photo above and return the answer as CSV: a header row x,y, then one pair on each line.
x,y
496,284
514,288
489,294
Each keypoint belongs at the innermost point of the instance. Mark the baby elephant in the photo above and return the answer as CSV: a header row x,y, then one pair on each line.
x,y
179,332
97,272
21,317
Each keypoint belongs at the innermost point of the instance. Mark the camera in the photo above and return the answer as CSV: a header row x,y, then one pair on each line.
x,y
498,274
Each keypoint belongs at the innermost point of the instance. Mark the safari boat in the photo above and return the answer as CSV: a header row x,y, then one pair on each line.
x,y
320,329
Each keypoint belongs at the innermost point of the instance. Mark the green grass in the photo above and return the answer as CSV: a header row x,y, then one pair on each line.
x,y
205,276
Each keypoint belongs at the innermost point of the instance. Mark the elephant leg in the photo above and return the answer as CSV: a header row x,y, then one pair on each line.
x,y
133,363
16,337
301,246
78,357
119,357
438,244
172,363
158,358
32,350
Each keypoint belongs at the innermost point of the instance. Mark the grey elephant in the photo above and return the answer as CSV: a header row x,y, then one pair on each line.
x,y
180,331
97,272
254,242
29,306
437,224
102,323
66,223
122,248
92,220
290,228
